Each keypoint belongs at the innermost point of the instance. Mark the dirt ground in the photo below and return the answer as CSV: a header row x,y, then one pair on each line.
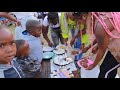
x,y
12,28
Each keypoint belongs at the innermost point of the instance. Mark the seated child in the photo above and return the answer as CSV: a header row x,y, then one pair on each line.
x,y
8,68
31,68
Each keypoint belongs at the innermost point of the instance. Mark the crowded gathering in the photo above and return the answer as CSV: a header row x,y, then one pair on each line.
x,y
59,44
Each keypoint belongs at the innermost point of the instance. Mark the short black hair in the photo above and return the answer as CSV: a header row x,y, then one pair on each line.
x,y
19,43
52,15
30,24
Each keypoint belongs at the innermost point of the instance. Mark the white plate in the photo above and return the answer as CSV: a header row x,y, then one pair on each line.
x,y
61,47
60,61
47,49
59,51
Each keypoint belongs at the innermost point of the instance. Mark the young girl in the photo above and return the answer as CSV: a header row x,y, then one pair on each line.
x,y
76,24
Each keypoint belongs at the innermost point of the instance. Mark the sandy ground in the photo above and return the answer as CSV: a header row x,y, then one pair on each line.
x,y
12,28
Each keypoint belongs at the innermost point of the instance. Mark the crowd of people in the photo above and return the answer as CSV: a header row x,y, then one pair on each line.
x,y
21,54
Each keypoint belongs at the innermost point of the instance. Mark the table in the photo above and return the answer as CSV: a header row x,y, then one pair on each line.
x,y
47,67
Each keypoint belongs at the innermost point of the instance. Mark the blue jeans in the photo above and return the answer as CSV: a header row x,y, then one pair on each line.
x,y
77,45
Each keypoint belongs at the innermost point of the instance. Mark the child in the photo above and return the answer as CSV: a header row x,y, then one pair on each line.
x,y
32,36
30,68
23,17
7,53
52,21
80,38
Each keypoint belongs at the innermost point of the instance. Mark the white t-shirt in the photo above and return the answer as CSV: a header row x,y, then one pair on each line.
x,y
46,23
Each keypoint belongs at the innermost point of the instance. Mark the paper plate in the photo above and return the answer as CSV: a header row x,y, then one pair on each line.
x,y
89,62
62,62
48,55
61,47
47,49
59,51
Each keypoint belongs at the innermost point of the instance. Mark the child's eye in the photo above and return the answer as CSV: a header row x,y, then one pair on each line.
x,y
12,43
1,45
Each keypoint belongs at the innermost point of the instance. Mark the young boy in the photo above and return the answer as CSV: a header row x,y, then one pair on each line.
x,y
30,68
52,20
32,36
23,17
7,53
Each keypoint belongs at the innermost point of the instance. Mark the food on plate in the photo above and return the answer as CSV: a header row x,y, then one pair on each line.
x,y
75,52
62,61
65,73
59,51
85,60
63,47
84,64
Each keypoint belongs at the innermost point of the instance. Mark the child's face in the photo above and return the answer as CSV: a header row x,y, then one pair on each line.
x,y
24,51
37,31
54,21
7,46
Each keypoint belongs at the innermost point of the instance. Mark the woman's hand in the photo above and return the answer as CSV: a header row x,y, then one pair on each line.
x,y
50,44
90,67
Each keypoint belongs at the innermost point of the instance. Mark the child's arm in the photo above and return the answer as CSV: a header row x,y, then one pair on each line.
x,y
45,32
6,15
82,47
80,32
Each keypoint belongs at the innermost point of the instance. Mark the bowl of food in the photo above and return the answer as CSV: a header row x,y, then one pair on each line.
x,y
84,63
59,51
61,47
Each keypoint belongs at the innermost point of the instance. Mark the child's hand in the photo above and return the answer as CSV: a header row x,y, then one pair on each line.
x,y
65,41
50,44
84,50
